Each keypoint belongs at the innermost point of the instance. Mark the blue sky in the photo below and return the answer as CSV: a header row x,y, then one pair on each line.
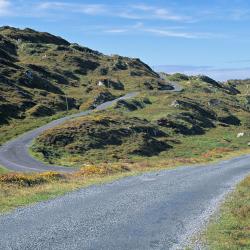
x,y
190,36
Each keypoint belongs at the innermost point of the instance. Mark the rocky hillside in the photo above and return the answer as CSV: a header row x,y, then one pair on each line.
x,y
205,115
117,135
38,69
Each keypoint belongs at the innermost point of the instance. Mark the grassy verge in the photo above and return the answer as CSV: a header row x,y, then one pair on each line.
x,y
22,189
231,230
3,170
18,127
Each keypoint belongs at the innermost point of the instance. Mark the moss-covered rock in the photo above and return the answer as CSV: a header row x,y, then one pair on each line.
x,y
100,98
230,120
40,110
130,135
178,77
132,105
110,83
186,123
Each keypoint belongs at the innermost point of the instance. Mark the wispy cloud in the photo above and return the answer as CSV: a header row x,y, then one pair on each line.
x,y
158,19
186,34
142,12
4,7
153,12
90,9
220,74
170,31
116,31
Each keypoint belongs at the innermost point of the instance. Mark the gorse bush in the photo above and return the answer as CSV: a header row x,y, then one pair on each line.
x,y
30,179
102,170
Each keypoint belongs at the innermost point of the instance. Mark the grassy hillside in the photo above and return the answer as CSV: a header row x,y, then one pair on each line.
x,y
118,136
42,75
38,71
201,122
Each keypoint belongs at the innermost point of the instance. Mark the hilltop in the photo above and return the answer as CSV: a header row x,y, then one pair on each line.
x,y
37,71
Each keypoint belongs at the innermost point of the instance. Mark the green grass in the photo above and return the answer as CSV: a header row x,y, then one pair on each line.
x,y
231,230
18,126
3,170
214,144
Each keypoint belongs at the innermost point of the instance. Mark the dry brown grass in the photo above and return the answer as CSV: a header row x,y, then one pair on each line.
x,y
102,170
216,152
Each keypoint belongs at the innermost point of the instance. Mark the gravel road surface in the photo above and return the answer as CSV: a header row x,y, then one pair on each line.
x,y
159,210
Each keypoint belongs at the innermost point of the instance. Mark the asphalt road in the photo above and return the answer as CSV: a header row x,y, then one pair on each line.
x,y
158,210
14,155
176,85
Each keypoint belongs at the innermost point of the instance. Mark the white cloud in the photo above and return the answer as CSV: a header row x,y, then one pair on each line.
x,y
152,12
128,15
4,7
171,33
177,32
219,74
90,9
140,12
115,31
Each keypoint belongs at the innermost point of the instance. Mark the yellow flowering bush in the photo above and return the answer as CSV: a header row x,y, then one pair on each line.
x,y
23,179
102,170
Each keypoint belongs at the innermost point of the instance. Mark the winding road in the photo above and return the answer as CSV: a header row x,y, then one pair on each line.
x,y
14,155
159,210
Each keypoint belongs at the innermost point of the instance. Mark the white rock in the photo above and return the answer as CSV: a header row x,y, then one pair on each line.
x,y
175,104
240,135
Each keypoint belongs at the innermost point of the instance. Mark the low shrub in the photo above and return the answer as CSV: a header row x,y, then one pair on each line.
x,y
102,170
30,179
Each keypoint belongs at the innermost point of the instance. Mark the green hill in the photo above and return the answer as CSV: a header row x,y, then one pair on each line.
x,y
38,69
199,123
42,75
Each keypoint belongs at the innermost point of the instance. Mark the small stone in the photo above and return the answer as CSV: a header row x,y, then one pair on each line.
x,y
175,104
240,135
